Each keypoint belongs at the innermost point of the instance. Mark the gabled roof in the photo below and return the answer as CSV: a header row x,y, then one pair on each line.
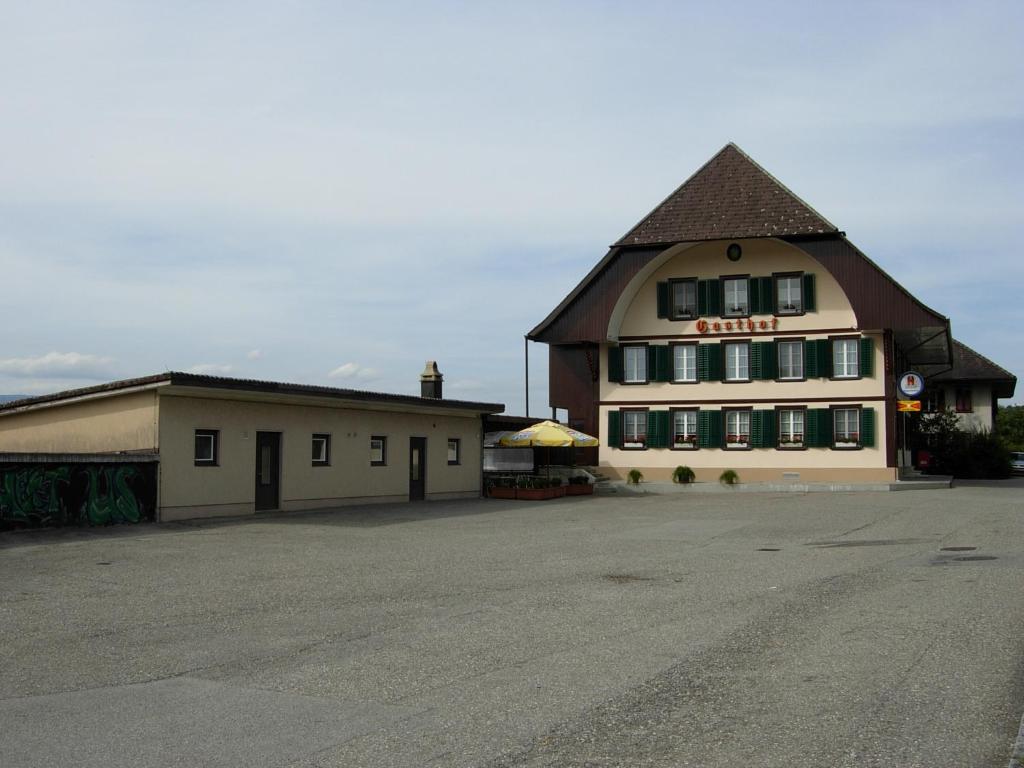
x,y
730,196
194,380
970,366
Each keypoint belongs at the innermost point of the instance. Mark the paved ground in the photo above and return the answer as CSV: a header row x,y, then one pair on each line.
x,y
703,630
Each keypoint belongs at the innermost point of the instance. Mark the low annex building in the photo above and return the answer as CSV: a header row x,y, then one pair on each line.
x,y
235,446
735,327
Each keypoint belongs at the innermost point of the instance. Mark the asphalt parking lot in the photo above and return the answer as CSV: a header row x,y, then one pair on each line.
x,y
868,629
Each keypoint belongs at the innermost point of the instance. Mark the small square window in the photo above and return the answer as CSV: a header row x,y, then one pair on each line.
x,y
378,451
206,447
454,453
321,450
684,299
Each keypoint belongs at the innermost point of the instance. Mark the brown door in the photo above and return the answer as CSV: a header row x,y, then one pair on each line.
x,y
417,468
268,470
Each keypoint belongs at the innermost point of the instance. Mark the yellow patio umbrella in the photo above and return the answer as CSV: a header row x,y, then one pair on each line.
x,y
549,434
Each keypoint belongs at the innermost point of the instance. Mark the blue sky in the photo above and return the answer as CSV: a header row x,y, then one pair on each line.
x,y
333,193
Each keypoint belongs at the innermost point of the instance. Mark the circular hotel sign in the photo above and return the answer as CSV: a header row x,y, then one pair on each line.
x,y
911,384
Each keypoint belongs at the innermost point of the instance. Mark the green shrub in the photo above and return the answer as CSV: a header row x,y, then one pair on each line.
x,y
634,477
579,480
964,454
683,475
729,477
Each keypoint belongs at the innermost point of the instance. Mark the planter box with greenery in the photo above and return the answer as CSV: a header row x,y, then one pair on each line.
x,y
579,486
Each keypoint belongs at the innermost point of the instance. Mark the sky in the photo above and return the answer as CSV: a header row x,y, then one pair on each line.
x,y
333,193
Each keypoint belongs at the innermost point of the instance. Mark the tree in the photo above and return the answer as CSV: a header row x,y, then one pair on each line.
x,y
1010,426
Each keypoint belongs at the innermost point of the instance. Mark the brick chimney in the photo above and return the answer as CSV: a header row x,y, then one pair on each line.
x,y
430,381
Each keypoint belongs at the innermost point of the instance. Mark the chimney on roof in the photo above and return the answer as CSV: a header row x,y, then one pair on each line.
x,y
430,381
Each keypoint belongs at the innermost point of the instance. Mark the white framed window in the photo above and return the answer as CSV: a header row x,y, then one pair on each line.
x,y
684,429
454,451
378,451
737,361
845,364
789,295
321,450
634,429
736,295
684,299
791,360
791,428
206,447
684,363
737,429
634,364
846,427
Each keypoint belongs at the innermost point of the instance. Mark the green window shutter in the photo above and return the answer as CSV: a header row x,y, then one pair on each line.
x,y
659,363
811,360
824,358
709,297
867,356
867,427
762,429
663,299
818,428
615,364
709,429
810,297
709,362
761,296
763,360
657,429
614,429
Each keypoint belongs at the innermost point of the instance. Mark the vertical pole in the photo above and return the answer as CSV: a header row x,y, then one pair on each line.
x,y
526,362
905,439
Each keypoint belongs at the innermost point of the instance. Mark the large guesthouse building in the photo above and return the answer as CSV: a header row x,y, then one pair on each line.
x,y
735,327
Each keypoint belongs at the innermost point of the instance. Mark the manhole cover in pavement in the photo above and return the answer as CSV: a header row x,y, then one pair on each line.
x,y
957,549
625,578
972,558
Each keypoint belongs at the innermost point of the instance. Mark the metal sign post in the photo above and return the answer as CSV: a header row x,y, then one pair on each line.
x,y
910,384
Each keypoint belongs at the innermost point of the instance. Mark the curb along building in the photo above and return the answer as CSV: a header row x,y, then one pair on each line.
x,y
236,446
735,327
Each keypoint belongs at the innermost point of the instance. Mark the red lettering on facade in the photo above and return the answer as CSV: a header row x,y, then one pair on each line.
x,y
702,326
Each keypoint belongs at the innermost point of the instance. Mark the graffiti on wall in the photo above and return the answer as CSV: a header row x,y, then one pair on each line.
x,y
33,495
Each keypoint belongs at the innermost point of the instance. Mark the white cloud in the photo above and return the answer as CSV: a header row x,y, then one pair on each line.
x,y
59,365
352,371
211,369
256,354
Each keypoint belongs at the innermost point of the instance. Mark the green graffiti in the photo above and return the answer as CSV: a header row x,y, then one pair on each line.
x,y
110,499
35,495
41,495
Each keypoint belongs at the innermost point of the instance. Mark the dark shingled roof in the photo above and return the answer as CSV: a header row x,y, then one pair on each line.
x,y
972,366
253,385
731,196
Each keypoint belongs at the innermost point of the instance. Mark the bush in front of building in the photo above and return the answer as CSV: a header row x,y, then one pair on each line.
x,y
974,454
729,477
683,475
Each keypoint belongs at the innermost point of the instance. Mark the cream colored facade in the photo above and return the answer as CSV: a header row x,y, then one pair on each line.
x,y
164,417
635,321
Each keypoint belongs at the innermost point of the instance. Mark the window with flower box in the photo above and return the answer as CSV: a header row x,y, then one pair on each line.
x,y
791,428
737,429
846,428
634,429
684,428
